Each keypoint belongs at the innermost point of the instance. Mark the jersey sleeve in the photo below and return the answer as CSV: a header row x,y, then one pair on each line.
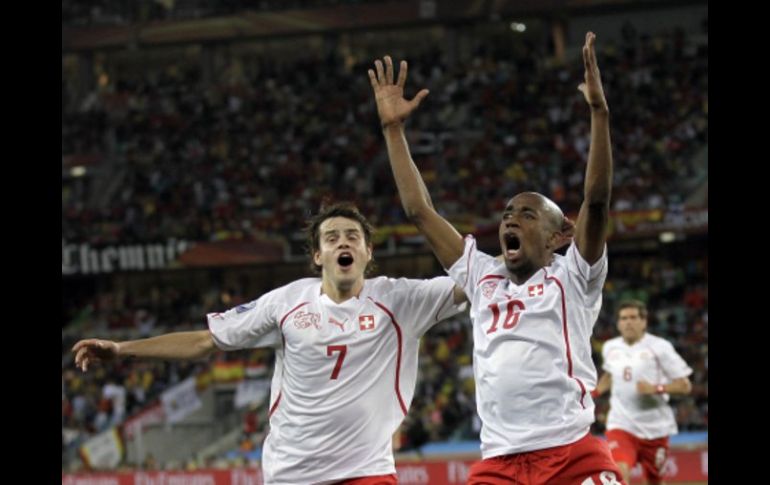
x,y
673,365
589,277
423,303
250,325
471,267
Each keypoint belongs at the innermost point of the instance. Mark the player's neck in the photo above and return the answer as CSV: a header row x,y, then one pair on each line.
x,y
521,276
632,342
523,273
339,293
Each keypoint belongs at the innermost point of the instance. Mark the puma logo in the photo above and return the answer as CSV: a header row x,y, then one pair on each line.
x,y
341,325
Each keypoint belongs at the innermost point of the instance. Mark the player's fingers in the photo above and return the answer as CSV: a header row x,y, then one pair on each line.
x,y
80,343
380,71
402,74
388,70
373,79
415,102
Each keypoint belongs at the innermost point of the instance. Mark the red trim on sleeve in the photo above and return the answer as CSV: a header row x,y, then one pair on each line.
x,y
290,312
283,342
490,277
275,405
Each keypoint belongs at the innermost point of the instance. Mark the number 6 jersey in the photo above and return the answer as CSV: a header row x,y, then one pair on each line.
x,y
652,359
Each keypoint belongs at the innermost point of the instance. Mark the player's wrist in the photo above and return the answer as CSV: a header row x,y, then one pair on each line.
x,y
600,109
395,124
660,389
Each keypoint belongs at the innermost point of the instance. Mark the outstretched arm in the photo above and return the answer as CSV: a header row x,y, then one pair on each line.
x,y
393,109
681,385
171,346
591,227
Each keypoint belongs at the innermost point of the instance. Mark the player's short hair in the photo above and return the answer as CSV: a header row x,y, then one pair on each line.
x,y
347,210
639,305
554,216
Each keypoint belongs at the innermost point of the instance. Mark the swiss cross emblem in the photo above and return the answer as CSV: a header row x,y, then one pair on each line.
x,y
366,322
536,290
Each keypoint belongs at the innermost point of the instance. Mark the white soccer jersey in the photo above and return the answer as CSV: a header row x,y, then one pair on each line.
x,y
344,373
532,353
654,360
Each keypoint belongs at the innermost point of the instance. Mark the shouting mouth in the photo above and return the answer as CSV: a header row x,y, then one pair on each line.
x,y
345,260
512,245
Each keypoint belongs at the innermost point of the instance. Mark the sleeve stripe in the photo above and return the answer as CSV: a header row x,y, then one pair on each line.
x,y
290,312
471,248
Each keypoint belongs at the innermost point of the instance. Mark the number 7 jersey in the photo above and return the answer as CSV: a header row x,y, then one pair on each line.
x,y
344,373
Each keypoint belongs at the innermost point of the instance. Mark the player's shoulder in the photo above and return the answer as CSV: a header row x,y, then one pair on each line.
x,y
386,288
657,342
379,283
573,257
384,285
297,289
560,261
611,343
472,250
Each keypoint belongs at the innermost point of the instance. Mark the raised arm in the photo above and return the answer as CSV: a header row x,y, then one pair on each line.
x,y
393,109
591,226
171,346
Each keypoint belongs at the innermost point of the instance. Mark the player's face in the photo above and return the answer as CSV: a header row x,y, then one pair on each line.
x,y
631,324
343,253
524,237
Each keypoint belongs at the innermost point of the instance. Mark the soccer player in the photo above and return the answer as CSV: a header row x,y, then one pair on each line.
x,y
533,313
346,355
641,370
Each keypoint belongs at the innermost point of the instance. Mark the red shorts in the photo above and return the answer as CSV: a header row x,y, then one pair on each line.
x,y
373,480
629,449
584,462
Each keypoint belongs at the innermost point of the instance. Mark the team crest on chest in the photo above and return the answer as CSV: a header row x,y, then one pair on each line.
x,y
488,288
303,320
366,322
